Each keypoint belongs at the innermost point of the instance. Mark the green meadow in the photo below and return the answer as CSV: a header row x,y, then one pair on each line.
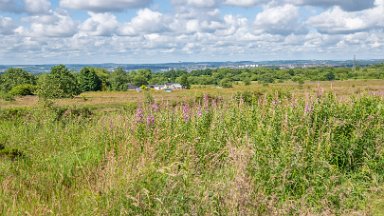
x,y
262,149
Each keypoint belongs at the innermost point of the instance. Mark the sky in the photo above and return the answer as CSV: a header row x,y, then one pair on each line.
x,y
164,31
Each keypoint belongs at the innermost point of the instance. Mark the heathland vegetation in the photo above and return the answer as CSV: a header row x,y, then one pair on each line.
x,y
272,142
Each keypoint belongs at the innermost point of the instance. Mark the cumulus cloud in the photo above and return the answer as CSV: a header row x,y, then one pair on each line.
x,y
7,25
347,5
337,21
99,24
146,21
245,3
56,24
103,5
37,6
11,5
278,20
25,6
191,30
196,3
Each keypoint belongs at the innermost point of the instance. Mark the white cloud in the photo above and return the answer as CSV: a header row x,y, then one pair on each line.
x,y
103,5
6,25
25,6
37,6
11,5
337,21
196,3
279,20
245,3
347,5
56,24
192,30
146,21
99,24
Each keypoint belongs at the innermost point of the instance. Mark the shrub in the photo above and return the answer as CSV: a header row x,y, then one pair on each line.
x,y
23,90
6,96
226,83
60,83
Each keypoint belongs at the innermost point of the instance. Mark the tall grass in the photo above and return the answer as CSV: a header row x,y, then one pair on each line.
x,y
256,154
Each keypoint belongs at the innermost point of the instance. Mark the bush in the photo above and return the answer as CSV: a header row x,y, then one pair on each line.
x,y
60,83
23,90
226,83
6,96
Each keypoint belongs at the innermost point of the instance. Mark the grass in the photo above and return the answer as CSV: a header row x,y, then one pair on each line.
x,y
281,149
107,99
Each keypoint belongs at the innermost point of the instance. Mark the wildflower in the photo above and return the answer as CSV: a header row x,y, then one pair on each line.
x,y
139,115
199,111
206,101
186,112
308,105
155,107
150,120
308,108
214,103
319,92
275,102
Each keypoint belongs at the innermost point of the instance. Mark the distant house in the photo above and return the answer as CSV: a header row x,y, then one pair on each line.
x,y
168,86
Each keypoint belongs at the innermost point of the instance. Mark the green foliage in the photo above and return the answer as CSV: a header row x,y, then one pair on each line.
x,y
330,76
185,82
247,81
60,83
88,80
23,90
266,78
15,76
119,80
226,83
6,96
254,154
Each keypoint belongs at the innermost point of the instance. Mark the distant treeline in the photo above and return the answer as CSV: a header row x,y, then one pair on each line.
x,y
63,83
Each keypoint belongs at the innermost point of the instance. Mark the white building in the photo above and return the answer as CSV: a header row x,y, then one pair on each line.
x,y
169,86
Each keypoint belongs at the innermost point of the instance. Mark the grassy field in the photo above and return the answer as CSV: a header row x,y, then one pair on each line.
x,y
281,149
341,88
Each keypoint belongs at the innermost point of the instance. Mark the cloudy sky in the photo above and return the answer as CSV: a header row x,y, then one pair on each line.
x,y
158,31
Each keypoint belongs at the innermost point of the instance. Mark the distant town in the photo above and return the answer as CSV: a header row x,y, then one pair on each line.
x,y
190,66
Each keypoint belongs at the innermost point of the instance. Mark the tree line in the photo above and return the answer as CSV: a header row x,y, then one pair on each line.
x,y
63,83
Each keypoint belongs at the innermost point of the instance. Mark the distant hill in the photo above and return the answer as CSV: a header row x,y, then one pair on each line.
x,y
203,65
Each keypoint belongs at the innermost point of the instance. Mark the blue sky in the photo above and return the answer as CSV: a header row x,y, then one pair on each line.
x,y
158,31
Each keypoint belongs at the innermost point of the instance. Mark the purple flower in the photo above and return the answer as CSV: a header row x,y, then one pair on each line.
x,y
308,108
139,115
206,101
199,111
186,112
150,120
155,107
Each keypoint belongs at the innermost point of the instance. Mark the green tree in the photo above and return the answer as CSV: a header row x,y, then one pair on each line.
x,y
15,76
139,80
60,83
88,80
330,76
119,80
104,75
185,82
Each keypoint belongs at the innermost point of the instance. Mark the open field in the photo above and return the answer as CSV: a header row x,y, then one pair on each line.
x,y
341,88
278,149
